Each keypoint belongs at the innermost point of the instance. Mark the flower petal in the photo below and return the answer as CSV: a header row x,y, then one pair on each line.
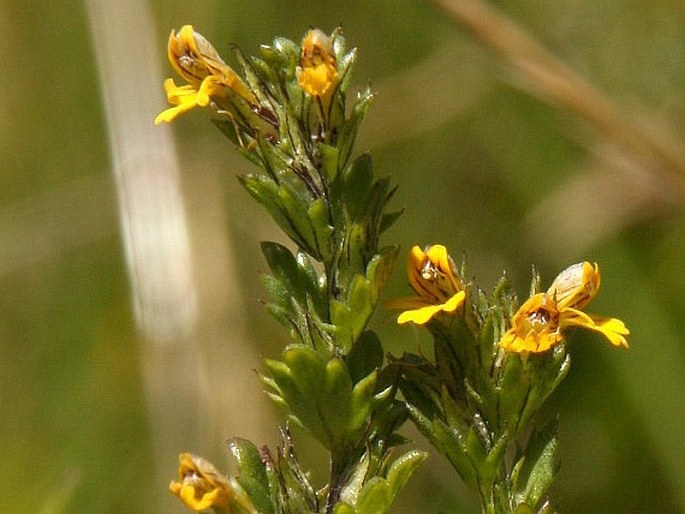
x,y
317,80
612,328
419,316
454,302
532,342
423,314
190,497
170,114
183,98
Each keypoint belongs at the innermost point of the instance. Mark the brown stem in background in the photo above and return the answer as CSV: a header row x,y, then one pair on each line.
x,y
550,79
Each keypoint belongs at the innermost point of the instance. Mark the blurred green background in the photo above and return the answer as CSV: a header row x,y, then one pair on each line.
x,y
94,411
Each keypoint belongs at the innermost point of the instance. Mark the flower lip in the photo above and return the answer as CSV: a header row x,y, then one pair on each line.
x,y
423,313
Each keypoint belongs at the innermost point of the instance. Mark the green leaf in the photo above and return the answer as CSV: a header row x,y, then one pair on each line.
x,y
389,219
291,394
513,390
374,497
330,156
299,218
379,196
345,61
365,356
308,369
361,402
361,304
402,469
286,270
380,268
246,65
546,370
350,318
250,124
422,422
355,249
336,404
298,296
320,396
539,466
459,450
283,53
453,413
278,162
535,283
277,292
316,284
347,131
389,415
266,192
320,221
420,384
252,475
358,177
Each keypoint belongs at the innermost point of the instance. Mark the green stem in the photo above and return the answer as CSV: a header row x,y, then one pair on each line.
x,y
487,496
339,474
496,495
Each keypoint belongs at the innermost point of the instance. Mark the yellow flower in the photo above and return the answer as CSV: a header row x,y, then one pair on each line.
x,y
318,70
541,320
201,487
208,76
433,278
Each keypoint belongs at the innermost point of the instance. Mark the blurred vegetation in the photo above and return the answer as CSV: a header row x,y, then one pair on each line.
x,y
482,165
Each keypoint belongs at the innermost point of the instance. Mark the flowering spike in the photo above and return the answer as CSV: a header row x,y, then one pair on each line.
x,y
472,395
